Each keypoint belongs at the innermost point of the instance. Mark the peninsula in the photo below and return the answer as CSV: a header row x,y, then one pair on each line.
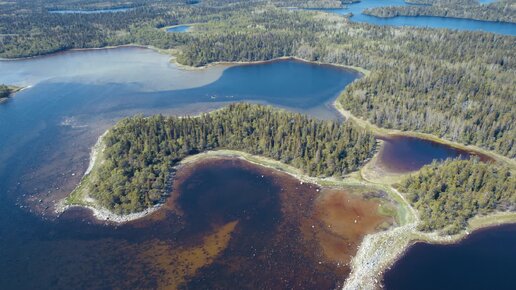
x,y
7,91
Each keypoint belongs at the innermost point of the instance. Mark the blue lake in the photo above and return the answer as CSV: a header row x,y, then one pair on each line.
x,y
179,28
420,21
405,154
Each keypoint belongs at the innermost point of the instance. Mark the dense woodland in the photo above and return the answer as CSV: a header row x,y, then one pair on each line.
x,y
456,85
447,195
504,10
140,152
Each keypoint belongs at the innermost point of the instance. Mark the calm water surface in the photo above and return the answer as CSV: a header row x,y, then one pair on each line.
x,y
179,28
405,154
420,21
485,260
48,129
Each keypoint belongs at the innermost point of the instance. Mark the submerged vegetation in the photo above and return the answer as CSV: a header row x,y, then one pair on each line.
x,y
140,152
448,194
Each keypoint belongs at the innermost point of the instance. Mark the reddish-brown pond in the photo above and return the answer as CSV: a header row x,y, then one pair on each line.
x,y
257,228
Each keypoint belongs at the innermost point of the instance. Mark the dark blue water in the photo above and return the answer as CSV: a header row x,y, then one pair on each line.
x,y
405,154
485,260
420,21
179,28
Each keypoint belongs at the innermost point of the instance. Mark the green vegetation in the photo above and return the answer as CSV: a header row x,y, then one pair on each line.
x,y
448,194
504,11
28,29
6,91
140,152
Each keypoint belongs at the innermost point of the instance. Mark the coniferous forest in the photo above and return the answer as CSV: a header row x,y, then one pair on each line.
x,y
448,194
140,152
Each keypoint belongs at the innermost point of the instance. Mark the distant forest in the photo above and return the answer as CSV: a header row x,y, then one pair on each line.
x,y
447,195
140,152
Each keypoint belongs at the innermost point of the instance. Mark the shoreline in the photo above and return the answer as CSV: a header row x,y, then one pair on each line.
x,y
362,71
13,90
378,251
172,53
387,133
55,53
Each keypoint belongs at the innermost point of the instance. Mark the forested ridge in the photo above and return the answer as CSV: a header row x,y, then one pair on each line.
x,y
504,10
448,194
140,152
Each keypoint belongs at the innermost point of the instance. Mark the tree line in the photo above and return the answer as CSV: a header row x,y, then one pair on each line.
x,y
140,152
450,193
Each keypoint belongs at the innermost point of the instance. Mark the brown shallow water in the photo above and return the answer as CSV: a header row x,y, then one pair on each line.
x,y
228,224
257,228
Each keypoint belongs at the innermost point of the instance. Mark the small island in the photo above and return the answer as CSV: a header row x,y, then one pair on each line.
x,y
134,163
7,91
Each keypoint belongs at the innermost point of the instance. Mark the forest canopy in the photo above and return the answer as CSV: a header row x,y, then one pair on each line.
x,y
448,194
140,152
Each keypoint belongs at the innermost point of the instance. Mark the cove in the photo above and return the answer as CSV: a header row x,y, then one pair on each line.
x,y
483,260
402,154
227,221
420,21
